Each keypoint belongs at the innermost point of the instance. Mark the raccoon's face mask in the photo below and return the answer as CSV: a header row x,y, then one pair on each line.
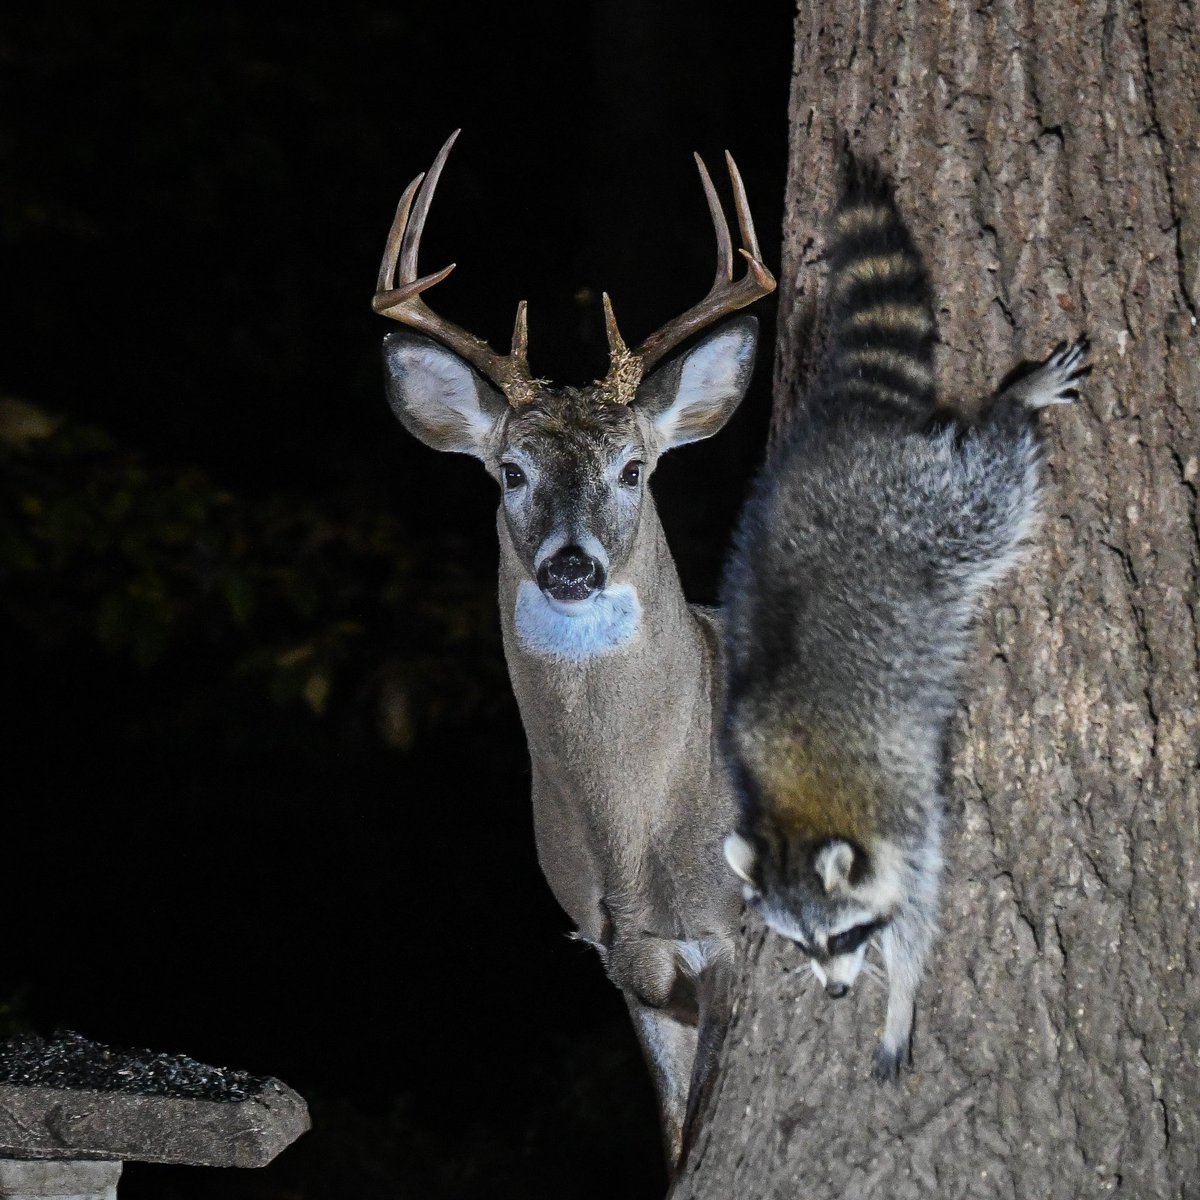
x,y
825,919
837,957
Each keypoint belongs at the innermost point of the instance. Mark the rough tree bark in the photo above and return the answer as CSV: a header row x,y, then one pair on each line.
x,y
1047,158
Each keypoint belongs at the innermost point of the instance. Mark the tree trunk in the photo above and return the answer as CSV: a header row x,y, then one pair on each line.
x,y
1047,161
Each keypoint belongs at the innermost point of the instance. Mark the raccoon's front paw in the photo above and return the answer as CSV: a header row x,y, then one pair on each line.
x,y
890,1062
1056,380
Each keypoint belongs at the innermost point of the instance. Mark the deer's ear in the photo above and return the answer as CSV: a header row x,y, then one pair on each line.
x,y
695,394
439,397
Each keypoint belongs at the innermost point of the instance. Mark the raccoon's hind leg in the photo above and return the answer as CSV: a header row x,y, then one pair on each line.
x,y
1055,381
904,944
991,493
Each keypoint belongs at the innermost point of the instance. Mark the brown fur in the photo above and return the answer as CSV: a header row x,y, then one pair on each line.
x,y
811,790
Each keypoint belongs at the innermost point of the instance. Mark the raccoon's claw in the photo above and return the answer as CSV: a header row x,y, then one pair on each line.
x,y
889,1063
1068,360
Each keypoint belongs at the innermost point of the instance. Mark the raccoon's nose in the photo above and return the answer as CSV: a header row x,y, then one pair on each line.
x,y
570,574
836,989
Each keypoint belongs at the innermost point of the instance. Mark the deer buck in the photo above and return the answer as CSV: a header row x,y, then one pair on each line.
x,y
617,677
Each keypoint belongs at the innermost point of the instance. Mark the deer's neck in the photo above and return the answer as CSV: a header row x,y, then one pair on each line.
x,y
621,751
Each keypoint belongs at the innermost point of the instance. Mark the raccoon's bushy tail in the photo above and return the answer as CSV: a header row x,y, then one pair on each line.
x,y
881,309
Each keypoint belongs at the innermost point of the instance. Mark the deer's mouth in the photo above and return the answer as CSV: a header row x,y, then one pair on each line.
x,y
571,607
571,598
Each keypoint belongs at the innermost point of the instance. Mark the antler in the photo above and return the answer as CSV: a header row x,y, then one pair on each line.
x,y
398,294
400,297
626,367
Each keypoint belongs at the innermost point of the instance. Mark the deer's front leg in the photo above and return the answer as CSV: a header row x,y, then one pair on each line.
x,y
662,1002
669,1047
715,991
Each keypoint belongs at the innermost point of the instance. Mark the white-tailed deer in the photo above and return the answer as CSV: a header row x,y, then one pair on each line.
x,y
616,675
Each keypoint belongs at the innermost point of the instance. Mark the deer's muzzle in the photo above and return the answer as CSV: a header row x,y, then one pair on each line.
x,y
570,575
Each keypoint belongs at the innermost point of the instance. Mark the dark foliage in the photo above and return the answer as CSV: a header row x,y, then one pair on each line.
x,y
336,604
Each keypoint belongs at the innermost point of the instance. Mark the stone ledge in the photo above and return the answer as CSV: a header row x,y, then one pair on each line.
x,y
59,1123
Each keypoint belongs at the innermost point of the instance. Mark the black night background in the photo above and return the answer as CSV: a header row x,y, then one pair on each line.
x,y
265,788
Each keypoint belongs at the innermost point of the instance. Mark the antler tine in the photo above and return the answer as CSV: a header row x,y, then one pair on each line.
x,y
391,251
416,226
744,219
616,343
720,227
726,295
625,367
520,339
398,292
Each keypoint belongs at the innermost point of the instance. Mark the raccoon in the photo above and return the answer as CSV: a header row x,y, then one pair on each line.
x,y
857,564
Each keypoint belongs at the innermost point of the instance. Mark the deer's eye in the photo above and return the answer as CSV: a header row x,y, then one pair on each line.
x,y
513,476
631,475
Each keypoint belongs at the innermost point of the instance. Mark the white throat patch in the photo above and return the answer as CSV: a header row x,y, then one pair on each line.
x,y
605,623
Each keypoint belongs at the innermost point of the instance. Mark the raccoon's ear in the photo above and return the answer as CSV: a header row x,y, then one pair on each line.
x,y
833,863
742,859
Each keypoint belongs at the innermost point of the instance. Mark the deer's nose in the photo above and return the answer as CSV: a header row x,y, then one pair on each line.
x,y
570,574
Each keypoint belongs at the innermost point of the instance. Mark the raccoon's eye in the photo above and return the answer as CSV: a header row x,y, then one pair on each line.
x,y
851,939
803,946
513,476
